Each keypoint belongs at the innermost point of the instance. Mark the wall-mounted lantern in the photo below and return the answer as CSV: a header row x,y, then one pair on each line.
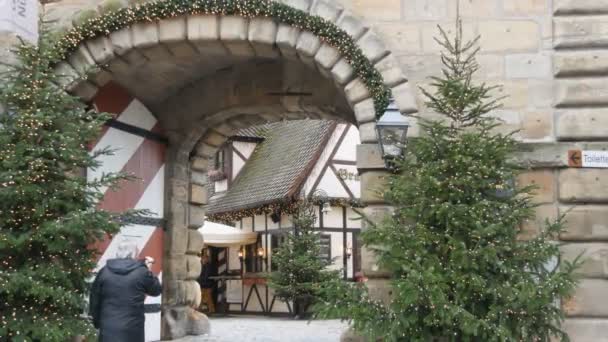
x,y
241,255
391,131
322,198
326,208
262,253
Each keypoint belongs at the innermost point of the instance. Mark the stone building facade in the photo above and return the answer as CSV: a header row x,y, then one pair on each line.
x,y
205,76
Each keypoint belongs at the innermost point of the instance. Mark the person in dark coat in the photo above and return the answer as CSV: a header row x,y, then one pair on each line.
x,y
206,284
117,296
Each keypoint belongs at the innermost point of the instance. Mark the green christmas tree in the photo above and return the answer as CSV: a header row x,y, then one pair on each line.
x,y
48,215
300,271
460,271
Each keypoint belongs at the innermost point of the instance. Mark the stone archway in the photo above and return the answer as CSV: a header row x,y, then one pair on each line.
x,y
203,75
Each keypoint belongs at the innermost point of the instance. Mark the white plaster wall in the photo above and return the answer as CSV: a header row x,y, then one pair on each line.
x,y
353,220
337,250
323,158
245,148
237,165
260,223
333,219
221,186
233,259
331,185
286,221
317,213
271,224
348,148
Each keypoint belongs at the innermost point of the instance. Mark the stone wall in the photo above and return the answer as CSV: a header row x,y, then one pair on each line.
x,y
515,49
552,59
579,66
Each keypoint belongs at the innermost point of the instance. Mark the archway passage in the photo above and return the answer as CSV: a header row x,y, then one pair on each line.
x,y
204,76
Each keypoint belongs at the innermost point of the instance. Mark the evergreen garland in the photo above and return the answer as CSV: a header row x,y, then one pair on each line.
x,y
460,271
116,19
49,219
288,207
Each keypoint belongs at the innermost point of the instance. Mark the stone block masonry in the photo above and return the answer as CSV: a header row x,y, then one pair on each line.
x,y
580,70
549,57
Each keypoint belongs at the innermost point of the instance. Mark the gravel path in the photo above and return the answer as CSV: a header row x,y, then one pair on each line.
x,y
265,329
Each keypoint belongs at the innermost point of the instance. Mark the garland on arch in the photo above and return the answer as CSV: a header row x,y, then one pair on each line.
x,y
288,207
327,31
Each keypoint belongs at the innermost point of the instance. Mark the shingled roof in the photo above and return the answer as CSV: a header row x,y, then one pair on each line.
x,y
254,132
278,167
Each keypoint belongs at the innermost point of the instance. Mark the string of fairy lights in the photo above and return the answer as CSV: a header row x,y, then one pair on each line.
x,y
328,32
288,207
48,210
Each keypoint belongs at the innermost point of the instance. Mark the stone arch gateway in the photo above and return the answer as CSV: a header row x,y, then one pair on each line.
x,y
204,75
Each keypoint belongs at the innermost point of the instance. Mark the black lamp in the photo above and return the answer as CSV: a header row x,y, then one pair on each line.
x,y
275,216
322,198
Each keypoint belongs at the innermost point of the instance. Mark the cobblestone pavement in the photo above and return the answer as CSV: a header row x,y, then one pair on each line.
x,y
265,329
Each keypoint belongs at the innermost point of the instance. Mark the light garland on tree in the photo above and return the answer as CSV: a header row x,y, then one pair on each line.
x,y
327,31
48,211
459,271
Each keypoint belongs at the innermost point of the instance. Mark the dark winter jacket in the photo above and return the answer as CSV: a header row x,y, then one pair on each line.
x,y
117,300
203,278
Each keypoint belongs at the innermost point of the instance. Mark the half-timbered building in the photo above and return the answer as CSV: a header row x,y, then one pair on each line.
x,y
260,174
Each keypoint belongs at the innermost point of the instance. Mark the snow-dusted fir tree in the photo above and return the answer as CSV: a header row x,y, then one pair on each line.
x,y
48,214
460,272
